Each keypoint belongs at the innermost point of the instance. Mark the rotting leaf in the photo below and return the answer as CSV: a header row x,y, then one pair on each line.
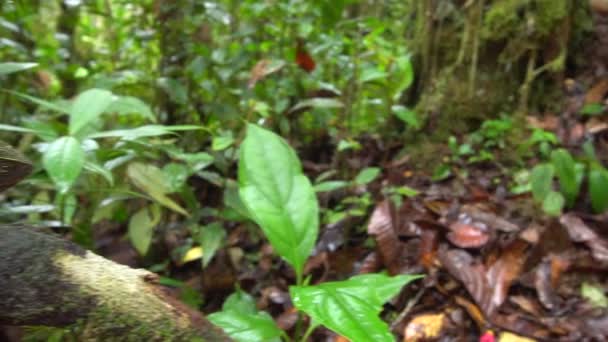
x,y
466,235
381,227
13,166
544,287
505,270
580,232
463,267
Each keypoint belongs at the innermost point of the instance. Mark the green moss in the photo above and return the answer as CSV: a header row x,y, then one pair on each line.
x,y
503,19
548,14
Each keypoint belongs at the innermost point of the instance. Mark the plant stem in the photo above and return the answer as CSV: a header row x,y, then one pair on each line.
x,y
309,331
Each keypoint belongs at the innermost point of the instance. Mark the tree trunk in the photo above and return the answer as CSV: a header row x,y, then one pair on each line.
x,y
45,280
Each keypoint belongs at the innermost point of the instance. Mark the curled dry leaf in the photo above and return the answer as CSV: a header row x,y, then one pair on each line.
x,y
261,69
469,272
424,327
544,287
504,271
488,286
428,248
473,311
381,228
465,235
490,219
580,232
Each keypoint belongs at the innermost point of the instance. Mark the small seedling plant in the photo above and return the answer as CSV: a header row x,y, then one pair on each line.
x,y
282,201
570,174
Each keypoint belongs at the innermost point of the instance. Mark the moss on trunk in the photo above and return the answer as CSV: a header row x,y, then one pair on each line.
x,y
45,280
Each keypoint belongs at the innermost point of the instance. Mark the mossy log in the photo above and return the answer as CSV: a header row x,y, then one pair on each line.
x,y
45,280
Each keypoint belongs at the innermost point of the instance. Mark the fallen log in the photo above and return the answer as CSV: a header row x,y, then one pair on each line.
x,y
45,280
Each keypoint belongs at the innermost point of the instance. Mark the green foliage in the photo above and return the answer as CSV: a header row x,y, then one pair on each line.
x,y
598,187
74,155
282,202
11,67
87,107
570,174
541,180
566,171
211,237
63,160
594,294
351,307
367,175
243,322
141,227
278,196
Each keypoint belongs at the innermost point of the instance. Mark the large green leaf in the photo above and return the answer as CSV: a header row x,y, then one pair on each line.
x,y
11,67
598,188
565,169
541,180
63,161
351,307
240,319
87,107
141,227
151,180
278,196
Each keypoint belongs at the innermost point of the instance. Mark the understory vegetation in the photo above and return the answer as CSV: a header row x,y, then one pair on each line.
x,y
320,170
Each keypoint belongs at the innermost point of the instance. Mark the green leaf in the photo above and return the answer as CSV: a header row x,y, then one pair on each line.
x,y
406,70
598,188
45,104
87,107
351,307
541,180
152,181
11,67
100,170
211,238
367,175
553,203
407,191
330,186
176,176
441,172
222,142
278,196
565,168
143,131
124,105
406,115
141,227
317,102
19,129
592,109
240,320
594,294
63,161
